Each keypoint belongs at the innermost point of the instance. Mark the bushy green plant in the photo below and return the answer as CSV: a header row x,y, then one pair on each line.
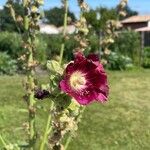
x,y
41,49
128,44
118,61
7,65
146,57
11,43
54,43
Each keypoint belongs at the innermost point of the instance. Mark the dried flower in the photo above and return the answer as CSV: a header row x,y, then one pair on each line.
x,y
41,94
85,79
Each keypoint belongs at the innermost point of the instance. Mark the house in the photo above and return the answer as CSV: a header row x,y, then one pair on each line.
x,y
48,29
70,29
139,24
51,29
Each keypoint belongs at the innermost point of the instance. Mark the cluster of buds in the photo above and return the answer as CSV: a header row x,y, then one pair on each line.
x,y
121,6
83,5
82,28
110,31
65,120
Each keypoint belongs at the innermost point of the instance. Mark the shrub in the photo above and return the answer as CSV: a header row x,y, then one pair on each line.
x,y
118,61
41,49
7,65
146,57
128,44
54,46
10,43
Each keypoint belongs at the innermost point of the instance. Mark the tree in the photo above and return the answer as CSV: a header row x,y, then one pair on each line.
x,y
130,12
104,15
55,16
6,21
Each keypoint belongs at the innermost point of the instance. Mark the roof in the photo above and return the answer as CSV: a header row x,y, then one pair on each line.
x,y
143,29
135,19
48,29
51,29
70,29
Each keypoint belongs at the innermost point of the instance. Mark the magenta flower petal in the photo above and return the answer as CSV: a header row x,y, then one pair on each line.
x,y
85,80
63,86
93,57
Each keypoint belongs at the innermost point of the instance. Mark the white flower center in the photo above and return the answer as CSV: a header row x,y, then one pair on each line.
x,y
77,80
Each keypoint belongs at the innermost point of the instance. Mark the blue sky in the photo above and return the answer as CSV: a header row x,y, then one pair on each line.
x,y
142,6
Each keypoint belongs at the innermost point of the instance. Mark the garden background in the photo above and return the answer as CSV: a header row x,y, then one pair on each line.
x,y
123,122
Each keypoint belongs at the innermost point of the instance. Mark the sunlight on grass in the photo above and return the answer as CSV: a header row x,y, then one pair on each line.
x,y
122,123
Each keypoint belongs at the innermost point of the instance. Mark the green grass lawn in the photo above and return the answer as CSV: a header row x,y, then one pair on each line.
x,y
123,123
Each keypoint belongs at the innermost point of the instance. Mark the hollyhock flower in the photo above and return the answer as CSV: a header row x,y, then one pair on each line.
x,y
41,94
85,79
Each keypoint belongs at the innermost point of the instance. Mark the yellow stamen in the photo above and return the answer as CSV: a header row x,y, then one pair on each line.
x,y
77,80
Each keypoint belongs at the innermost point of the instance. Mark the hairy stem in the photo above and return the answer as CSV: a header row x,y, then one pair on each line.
x,y
67,142
30,77
47,129
31,110
77,120
3,142
64,30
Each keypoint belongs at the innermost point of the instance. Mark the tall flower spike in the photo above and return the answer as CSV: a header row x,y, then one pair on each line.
x,y
81,26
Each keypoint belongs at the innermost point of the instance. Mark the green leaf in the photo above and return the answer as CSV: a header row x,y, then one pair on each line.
x,y
54,67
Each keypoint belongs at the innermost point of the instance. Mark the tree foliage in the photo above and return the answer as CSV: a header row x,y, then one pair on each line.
x,y
97,18
55,16
130,12
6,21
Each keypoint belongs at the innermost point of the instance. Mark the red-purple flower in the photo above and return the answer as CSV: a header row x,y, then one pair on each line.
x,y
85,79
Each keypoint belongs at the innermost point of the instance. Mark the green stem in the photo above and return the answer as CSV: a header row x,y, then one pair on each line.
x,y
47,129
64,31
31,114
3,142
30,78
77,120
67,143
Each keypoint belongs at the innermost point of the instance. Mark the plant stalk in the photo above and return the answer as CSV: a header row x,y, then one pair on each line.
x,y
47,129
3,142
77,120
64,31
30,77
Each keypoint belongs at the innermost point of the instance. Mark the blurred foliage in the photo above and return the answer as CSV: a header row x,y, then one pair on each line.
x,y
7,64
10,43
128,44
126,48
129,12
55,16
97,18
146,57
6,21
118,61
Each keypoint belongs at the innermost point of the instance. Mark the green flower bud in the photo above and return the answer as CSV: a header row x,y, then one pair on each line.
x,y
54,67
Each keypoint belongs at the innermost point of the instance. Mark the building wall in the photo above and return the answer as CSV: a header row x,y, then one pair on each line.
x,y
146,38
135,25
